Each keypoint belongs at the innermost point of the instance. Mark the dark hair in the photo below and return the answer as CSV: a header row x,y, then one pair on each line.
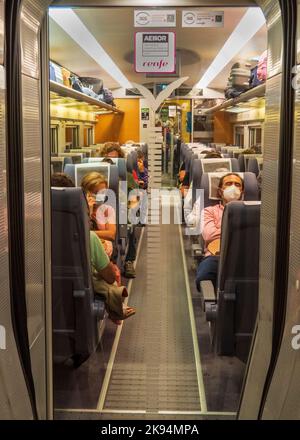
x,y
109,147
213,155
231,174
108,160
140,154
249,151
61,180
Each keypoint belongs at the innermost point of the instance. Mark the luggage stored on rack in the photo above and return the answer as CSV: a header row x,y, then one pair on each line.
x,y
56,73
108,96
95,84
76,84
239,76
262,67
66,77
230,93
254,81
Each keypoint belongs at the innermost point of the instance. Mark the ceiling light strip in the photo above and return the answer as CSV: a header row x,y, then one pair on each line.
x,y
69,21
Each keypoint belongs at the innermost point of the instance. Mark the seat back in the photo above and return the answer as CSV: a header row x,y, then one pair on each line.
x,y
75,324
197,172
251,192
119,162
238,279
132,161
253,166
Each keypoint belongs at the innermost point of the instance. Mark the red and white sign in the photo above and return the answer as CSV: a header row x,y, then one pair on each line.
x,y
155,52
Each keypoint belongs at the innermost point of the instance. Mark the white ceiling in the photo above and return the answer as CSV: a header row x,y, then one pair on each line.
x,y
113,28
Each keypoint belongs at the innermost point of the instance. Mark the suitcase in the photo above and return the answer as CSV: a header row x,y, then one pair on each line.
x,y
240,78
262,67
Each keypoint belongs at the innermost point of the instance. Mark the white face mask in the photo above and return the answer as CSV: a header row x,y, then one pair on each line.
x,y
101,197
232,193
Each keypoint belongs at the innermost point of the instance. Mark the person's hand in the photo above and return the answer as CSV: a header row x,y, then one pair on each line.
x,y
141,183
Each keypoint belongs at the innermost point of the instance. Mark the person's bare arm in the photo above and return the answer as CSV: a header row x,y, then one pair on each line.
x,y
108,274
109,233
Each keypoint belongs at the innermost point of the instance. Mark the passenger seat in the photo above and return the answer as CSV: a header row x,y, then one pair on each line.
x,y
76,312
232,313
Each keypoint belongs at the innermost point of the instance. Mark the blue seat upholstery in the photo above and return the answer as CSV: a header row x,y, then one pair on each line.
x,y
76,312
253,166
197,172
238,279
251,189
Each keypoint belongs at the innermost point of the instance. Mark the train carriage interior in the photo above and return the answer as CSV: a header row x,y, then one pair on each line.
x,y
160,157
201,342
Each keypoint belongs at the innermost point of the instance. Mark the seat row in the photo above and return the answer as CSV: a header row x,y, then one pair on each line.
x,y
78,314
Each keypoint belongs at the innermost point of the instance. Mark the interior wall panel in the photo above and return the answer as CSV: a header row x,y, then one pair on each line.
x,y
263,341
12,383
283,401
31,16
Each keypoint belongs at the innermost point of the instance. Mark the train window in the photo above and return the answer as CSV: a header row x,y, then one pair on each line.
x,y
239,136
88,136
72,136
54,139
255,136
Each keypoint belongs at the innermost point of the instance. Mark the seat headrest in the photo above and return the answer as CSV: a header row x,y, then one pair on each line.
x,y
216,165
210,183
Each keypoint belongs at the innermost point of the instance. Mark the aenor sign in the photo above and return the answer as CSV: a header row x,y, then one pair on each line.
x,y
155,52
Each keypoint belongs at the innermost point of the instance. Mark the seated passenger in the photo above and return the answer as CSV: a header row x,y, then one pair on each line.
x,y
104,283
103,215
61,180
113,150
213,155
104,276
231,188
142,172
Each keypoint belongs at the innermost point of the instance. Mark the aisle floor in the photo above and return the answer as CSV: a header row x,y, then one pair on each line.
x,y
154,369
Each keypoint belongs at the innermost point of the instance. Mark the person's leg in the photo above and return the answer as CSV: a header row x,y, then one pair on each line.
x,y
131,254
129,270
207,271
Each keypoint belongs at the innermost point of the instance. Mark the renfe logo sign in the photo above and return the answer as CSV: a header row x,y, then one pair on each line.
x,y
155,52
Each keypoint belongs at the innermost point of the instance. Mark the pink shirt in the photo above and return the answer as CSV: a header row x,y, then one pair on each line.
x,y
212,225
106,214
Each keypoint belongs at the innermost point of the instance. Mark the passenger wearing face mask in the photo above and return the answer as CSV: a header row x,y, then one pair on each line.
x,y
231,188
103,215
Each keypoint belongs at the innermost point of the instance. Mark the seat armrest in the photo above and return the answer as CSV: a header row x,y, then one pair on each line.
x,y
209,300
208,291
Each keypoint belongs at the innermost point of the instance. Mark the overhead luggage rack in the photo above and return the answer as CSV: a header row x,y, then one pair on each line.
x,y
69,95
256,92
